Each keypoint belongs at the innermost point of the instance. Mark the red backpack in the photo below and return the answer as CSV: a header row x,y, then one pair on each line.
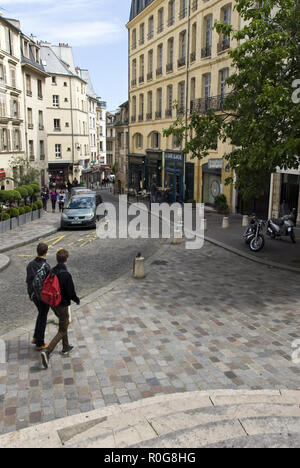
x,y
51,293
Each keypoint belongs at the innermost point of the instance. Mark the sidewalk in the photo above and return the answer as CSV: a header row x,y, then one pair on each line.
x,y
280,251
30,232
200,321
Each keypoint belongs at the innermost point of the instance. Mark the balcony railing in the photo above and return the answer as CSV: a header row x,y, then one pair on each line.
x,y
150,35
57,129
30,126
182,13
215,103
171,21
150,76
169,67
141,117
133,120
159,71
206,52
133,83
180,111
158,115
149,116
160,28
141,79
42,157
169,113
223,45
181,62
194,5
193,57
133,47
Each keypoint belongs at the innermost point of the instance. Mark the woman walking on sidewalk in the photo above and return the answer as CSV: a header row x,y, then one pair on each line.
x,y
53,196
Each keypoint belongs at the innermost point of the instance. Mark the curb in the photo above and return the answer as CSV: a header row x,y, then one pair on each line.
x,y
29,241
4,262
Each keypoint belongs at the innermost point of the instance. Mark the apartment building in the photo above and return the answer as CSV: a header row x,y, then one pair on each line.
x,y
12,138
111,138
67,114
101,132
176,56
34,86
122,148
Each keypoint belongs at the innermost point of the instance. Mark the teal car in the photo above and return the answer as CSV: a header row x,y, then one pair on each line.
x,y
81,211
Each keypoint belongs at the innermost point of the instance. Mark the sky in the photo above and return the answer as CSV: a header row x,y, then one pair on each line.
x,y
94,28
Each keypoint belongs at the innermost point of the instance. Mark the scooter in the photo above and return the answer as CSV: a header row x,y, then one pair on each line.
x,y
283,227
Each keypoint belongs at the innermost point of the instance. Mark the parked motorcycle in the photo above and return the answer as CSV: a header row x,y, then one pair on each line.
x,y
283,227
253,235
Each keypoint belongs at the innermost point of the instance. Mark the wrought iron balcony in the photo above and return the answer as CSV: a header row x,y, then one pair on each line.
x,y
160,28
133,119
182,13
193,56
181,62
194,5
180,111
133,83
171,21
223,45
141,117
150,76
169,67
158,115
159,71
169,113
149,116
215,103
206,52
141,79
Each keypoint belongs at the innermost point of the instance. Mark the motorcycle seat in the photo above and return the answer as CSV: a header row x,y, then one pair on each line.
x,y
278,222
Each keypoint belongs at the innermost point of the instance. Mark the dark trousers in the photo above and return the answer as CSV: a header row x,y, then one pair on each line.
x,y
62,313
53,204
41,322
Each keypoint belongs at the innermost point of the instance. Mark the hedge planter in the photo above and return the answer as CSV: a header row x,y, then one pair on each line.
x,y
35,215
28,217
14,223
5,226
22,219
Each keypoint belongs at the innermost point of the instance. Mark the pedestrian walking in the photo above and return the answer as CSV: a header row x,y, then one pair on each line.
x,y
68,294
45,198
37,271
61,200
53,196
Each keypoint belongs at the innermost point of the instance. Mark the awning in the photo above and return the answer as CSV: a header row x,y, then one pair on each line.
x,y
2,174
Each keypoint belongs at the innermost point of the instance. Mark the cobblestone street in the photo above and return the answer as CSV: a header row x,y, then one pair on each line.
x,y
200,320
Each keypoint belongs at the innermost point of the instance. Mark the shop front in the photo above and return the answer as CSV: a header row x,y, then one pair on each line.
x,y
136,172
212,181
59,174
174,176
153,169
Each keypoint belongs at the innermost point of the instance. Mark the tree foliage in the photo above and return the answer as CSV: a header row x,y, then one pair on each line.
x,y
259,118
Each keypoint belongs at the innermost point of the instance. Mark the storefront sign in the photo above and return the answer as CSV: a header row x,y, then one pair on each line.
x,y
174,157
215,164
2,174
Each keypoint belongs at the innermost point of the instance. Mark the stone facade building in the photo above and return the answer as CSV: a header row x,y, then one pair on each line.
x,y
122,148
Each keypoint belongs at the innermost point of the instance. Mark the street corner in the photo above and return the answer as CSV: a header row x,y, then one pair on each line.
x,y
4,262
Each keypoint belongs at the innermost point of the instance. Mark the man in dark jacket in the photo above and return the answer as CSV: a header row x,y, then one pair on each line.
x,y
68,294
37,271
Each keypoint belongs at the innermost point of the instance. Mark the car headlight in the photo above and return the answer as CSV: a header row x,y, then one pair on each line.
x,y
90,216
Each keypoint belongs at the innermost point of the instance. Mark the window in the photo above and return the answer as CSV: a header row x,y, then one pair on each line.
x,y
139,140
150,105
2,73
41,120
57,125
160,27
226,19
171,12
2,105
182,49
28,85
133,117
58,154
55,101
194,42
133,39
170,55
208,25
207,90
15,109
39,89
17,140
134,73
159,104
193,89
224,74
155,140
29,117
151,28
13,78
141,108
65,84
42,150
150,65
5,139
142,33
142,69
170,98
54,80
181,98
31,150
25,50
183,9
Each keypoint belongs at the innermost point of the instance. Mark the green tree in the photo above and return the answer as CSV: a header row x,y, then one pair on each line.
x,y
258,117
27,173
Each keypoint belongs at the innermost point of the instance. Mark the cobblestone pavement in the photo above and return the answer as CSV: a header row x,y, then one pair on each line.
x,y
200,320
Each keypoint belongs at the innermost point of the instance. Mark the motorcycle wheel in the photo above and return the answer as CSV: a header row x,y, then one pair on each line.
x,y
256,245
293,237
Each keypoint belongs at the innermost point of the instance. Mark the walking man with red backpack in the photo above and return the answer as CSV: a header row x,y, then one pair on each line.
x,y
68,294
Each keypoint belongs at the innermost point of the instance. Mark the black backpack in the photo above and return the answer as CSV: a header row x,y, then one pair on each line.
x,y
39,280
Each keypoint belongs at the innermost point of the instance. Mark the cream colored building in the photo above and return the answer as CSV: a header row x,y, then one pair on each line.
x,y
34,86
175,55
122,148
12,138
67,114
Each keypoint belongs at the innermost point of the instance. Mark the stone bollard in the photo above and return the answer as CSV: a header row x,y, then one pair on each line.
x,y
139,267
225,224
245,221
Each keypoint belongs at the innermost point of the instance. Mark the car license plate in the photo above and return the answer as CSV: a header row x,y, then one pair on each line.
x,y
76,222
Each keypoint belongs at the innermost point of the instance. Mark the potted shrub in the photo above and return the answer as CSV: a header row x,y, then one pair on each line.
x,y
40,208
221,204
28,214
14,215
35,212
22,217
5,222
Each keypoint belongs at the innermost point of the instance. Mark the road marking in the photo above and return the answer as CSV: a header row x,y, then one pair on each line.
x,y
58,239
25,256
70,245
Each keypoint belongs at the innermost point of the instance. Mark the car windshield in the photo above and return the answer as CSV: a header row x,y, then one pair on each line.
x,y
82,203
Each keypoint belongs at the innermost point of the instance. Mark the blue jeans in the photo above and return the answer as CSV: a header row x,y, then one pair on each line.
x,y
41,322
